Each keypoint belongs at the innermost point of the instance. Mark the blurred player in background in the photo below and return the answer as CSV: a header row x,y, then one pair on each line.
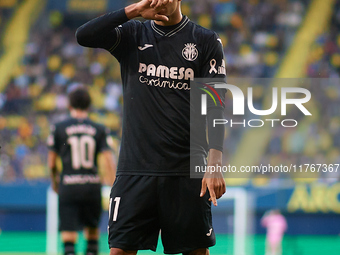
x,y
78,141
276,225
153,189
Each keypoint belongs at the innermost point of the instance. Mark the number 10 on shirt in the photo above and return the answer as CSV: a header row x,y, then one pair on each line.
x,y
82,151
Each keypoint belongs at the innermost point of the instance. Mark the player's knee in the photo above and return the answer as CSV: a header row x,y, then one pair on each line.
x,y
117,251
201,251
69,236
91,233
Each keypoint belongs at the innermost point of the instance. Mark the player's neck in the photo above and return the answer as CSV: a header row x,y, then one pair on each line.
x,y
78,114
174,19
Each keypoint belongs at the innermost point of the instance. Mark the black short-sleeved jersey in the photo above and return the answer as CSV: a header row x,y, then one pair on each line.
x,y
78,142
157,65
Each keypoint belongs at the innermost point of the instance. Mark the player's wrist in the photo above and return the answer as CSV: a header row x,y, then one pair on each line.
x,y
132,11
215,157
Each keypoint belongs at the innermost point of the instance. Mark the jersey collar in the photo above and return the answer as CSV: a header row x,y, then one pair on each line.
x,y
173,29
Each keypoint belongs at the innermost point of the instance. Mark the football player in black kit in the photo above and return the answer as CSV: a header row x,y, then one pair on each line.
x,y
153,190
78,141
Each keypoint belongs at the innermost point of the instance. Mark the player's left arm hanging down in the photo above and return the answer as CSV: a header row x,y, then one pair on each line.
x,y
52,159
214,180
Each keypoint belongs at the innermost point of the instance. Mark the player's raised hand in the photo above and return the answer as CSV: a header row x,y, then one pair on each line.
x,y
149,9
213,180
159,3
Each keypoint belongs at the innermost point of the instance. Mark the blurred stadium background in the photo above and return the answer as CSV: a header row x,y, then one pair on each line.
x,y
40,60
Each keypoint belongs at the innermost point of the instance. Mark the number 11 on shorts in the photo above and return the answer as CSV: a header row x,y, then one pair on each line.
x,y
115,210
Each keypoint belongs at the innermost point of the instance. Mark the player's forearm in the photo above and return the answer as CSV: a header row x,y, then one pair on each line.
x,y
111,174
54,177
132,11
54,173
100,32
215,134
51,161
110,168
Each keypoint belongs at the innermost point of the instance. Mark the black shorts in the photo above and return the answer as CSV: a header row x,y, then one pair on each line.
x,y
142,206
79,209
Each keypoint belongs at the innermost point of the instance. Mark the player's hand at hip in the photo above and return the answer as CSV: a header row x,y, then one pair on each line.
x,y
213,180
149,9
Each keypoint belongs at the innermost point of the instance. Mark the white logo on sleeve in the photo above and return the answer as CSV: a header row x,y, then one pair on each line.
x,y
190,52
146,46
209,234
213,66
221,69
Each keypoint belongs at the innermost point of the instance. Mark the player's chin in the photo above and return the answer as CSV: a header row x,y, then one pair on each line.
x,y
163,12
162,19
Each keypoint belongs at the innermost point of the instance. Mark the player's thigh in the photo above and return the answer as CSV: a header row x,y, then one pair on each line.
x,y
133,216
200,251
90,211
186,220
68,215
117,251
